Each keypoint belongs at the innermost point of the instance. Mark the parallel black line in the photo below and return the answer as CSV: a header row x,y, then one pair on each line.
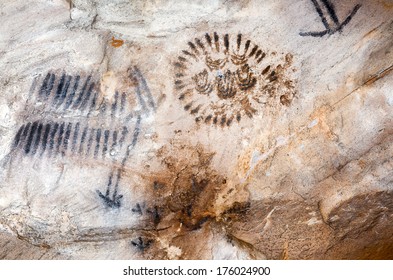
x,y
254,49
66,138
52,137
87,98
98,140
64,91
239,41
59,89
93,102
18,136
259,52
37,139
30,138
25,132
134,140
114,105
208,39
90,141
114,139
45,138
75,137
106,139
123,136
200,44
216,41
226,41
60,138
47,85
145,88
123,102
193,47
82,93
83,138
140,99
320,13
72,94
247,46
330,8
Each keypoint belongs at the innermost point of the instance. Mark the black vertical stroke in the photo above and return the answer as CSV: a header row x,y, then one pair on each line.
x,y
87,97
83,138
330,8
73,92
30,138
66,138
18,136
98,141
59,90
320,13
45,138
106,139
82,92
114,105
37,139
52,137
145,87
90,141
47,85
75,136
60,138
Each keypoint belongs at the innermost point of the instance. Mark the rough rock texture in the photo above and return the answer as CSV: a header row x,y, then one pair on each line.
x,y
203,130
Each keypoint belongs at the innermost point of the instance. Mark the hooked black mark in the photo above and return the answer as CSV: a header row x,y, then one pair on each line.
x,y
329,28
141,244
113,201
137,209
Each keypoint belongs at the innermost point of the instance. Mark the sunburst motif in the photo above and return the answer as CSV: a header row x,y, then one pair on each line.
x,y
221,79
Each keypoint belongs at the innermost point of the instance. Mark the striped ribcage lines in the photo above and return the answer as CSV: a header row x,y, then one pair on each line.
x,y
53,139
76,119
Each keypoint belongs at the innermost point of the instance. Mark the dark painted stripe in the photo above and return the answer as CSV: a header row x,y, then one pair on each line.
x,y
123,136
75,136
87,97
37,139
239,41
216,41
145,88
123,102
25,133
82,92
226,41
18,136
208,39
90,141
93,102
98,140
60,138
254,49
247,46
83,139
114,139
114,105
30,138
106,139
59,90
52,136
73,92
64,91
45,138
140,99
67,137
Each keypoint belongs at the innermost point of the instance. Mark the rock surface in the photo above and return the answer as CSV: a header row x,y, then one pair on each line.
x,y
210,130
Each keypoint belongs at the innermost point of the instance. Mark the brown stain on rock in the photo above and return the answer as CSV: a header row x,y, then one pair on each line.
x,y
116,42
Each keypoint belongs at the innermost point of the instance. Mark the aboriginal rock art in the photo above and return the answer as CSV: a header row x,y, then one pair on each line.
x,y
221,79
68,117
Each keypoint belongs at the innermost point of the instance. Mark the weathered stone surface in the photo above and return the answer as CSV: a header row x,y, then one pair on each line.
x,y
211,130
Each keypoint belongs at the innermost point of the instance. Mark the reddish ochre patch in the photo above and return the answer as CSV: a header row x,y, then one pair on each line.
x,y
116,42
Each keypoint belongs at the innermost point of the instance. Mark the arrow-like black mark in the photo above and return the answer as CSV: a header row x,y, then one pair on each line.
x,y
141,244
337,26
113,201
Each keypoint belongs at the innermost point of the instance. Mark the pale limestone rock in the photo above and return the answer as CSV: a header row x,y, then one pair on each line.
x,y
283,153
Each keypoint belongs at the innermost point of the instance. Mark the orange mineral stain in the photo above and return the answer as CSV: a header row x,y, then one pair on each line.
x,y
116,42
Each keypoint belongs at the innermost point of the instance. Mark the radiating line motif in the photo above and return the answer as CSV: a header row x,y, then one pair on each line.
x,y
221,79
332,25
